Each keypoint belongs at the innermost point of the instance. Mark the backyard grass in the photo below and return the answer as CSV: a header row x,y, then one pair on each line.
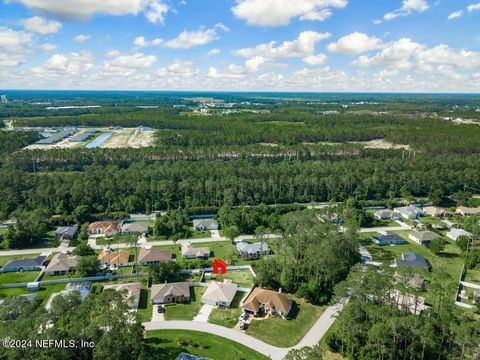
x,y
122,239
43,294
243,278
228,317
145,305
167,344
186,311
286,332
473,276
18,277
5,259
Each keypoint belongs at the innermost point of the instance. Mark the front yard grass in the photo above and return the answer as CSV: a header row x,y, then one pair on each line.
x,y
228,317
286,332
18,277
167,344
186,311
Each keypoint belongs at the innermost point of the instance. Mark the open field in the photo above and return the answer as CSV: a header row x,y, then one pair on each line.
x,y
186,311
286,332
167,344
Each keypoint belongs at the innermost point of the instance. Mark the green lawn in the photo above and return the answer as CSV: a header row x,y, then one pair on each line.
x,y
228,317
222,250
432,221
286,332
473,276
5,259
122,239
145,305
186,311
43,294
243,278
18,277
57,277
167,344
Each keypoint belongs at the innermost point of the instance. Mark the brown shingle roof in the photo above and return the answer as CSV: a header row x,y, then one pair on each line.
x,y
114,257
148,255
105,226
271,299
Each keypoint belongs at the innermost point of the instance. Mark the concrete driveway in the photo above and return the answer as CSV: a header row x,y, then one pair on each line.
x,y
204,313
156,316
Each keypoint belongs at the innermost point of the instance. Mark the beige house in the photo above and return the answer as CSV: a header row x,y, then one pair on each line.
x,y
423,237
467,211
61,264
435,211
267,301
220,294
115,258
190,252
107,228
168,293
148,257
131,292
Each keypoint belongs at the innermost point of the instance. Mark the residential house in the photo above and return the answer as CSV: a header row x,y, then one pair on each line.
x,y
107,228
409,212
268,302
384,214
148,257
32,264
388,239
423,237
454,234
131,292
66,232
190,252
435,211
252,251
134,228
467,211
205,224
168,293
220,294
114,258
413,260
62,264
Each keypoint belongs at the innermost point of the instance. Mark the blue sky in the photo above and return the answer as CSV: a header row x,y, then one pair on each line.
x,y
271,45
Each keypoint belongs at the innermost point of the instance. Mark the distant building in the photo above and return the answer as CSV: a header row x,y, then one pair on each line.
x,y
435,211
205,224
454,234
409,212
4,99
253,251
412,259
168,293
423,237
467,211
32,264
388,239
107,228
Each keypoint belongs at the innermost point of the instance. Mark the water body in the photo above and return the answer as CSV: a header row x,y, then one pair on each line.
x,y
98,141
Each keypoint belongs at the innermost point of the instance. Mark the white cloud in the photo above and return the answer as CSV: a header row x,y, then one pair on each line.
x,y
82,10
81,38
140,42
473,7
280,12
408,7
213,52
301,47
355,43
42,26
112,53
315,59
133,61
65,64
214,74
188,39
47,47
178,69
394,55
443,54
14,46
455,15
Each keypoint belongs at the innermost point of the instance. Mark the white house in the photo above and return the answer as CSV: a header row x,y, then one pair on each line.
x,y
220,294
423,237
205,224
409,212
383,214
454,234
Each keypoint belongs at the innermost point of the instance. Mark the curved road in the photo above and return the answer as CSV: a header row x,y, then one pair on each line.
x,y
313,337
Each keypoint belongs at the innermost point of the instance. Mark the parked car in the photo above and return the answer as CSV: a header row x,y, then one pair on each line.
x,y
244,316
160,309
243,326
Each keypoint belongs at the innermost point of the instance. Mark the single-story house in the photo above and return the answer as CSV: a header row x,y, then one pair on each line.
x,y
435,211
131,292
267,301
148,257
190,252
423,237
388,239
168,293
467,211
383,214
220,294
409,212
115,258
252,251
134,228
205,224
62,264
66,232
454,234
24,264
412,259
107,228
